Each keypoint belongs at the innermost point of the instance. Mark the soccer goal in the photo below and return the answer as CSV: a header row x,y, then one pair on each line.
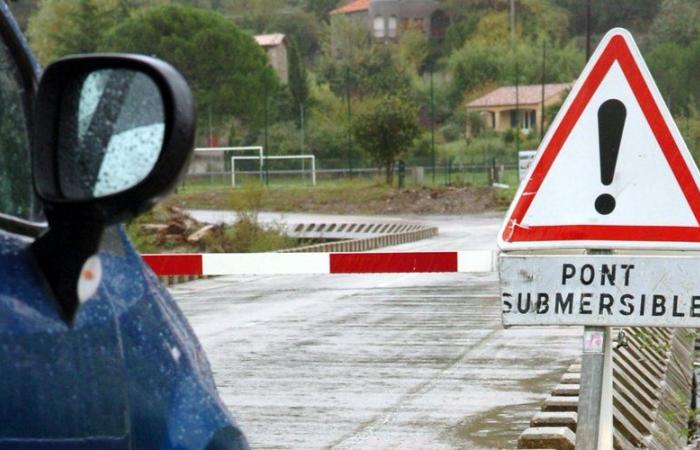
x,y
276,158
223,150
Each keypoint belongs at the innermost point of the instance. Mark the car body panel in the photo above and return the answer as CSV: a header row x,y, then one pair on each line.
x,y
129,373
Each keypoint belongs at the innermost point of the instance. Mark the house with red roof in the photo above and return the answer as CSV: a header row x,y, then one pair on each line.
x,y
510,106
386,19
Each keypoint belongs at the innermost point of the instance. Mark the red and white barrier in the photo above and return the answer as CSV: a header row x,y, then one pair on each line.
x,y
320,263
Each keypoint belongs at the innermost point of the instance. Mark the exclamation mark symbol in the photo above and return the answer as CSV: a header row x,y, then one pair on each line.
x,y
611,121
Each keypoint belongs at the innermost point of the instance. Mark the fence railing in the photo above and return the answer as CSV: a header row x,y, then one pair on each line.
x,y
414,173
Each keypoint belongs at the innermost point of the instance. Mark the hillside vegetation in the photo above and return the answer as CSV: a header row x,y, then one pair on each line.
x,y
339,75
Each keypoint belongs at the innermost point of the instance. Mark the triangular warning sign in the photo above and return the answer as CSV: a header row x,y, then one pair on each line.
x,y
613,170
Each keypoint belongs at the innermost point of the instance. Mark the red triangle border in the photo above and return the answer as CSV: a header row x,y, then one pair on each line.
x,y
616,50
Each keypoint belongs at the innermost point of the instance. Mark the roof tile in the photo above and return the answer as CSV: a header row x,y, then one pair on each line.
x,y
355,6
527,94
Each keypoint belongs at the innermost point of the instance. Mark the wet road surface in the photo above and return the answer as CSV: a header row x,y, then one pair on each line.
x,y
375,361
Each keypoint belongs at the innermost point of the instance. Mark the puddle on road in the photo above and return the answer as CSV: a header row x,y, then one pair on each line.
x,y
500,427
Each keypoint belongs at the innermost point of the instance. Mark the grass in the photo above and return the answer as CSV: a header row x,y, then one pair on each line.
x,y
454,175
353,196
243,236
284,198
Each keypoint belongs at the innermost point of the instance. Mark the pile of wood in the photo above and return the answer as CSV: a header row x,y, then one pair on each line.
x,y
177,227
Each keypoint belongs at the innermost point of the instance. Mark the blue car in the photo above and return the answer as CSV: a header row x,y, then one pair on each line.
x,y
94,353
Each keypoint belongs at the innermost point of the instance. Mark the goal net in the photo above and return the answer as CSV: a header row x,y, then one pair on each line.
x,y
281,166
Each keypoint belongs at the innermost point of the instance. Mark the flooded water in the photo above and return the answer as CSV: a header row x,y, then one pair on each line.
x,y
378,361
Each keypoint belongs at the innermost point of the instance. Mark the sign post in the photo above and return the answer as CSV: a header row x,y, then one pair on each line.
x,y
594,426
612,175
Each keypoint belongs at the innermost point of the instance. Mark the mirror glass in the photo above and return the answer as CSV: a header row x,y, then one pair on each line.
x,y
110,132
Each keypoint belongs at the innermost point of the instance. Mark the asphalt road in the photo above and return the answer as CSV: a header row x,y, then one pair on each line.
x,y
377,361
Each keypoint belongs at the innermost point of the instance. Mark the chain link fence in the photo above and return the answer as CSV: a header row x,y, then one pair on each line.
x,y
214,172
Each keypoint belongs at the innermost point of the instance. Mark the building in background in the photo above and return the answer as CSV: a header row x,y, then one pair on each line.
x,y
275,46
502,109
386,19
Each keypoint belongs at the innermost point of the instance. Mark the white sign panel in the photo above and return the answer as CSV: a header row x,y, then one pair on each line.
x,y
525,159
613,170
603,290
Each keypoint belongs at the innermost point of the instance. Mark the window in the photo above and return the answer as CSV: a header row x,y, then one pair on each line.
x,y
526,119
392,26
16,192
379,31
439,22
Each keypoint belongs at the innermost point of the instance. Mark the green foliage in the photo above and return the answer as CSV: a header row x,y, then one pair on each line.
x,y
668,65
412,50
374,71
328,127
226,69
301,27
284,139
635,15
689,126
321,8
451,131
476,124
678,21
63,27
474,65
16,195
254,15
351,61
245,236
298,80
386,127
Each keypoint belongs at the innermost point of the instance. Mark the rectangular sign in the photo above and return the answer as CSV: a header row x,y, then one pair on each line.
x,y
525,159
600,290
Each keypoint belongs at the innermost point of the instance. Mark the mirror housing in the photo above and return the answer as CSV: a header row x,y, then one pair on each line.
x,y
76,224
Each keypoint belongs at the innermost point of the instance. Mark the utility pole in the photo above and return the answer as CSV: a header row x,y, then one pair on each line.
x,y
517,107
588,29
267,149
512,20
544,80
432,118
347,93
303,150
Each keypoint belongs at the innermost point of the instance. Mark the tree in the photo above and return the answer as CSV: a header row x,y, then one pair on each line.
x,y
677,21
300,26
606,14
254,15
298,81
668,63
321,8
63,27
386,127
351,61
412,49
226,69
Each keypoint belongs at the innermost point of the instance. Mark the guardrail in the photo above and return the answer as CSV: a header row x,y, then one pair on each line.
x,y
652,384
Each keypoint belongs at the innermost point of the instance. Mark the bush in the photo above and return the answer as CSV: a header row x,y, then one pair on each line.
x,y
245,236
451,132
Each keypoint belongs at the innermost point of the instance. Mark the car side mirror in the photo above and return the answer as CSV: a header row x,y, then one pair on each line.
x,y
112,135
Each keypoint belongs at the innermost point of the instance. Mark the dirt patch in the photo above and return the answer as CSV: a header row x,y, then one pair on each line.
x,y
358,200
449,200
